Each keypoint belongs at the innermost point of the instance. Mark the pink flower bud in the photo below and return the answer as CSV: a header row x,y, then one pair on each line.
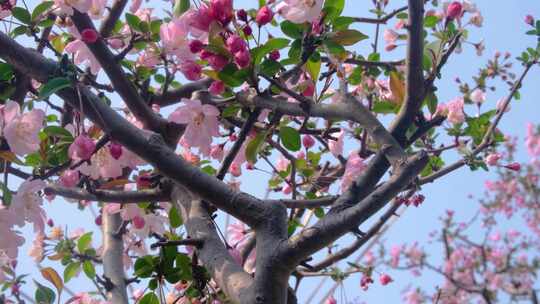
x,y
274,55
264,16
308,141
70,178
143,181
247,30
529,19
385,279
50,223
217,62
82,147
195,46
191,70
216,152
492,159
99,220
217,87
221,10
241,14
286,189
89,35
513,166
242,58
235,170
454,10
138,222
236,44
115,150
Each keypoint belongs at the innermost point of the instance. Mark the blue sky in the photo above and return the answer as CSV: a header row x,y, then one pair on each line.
x,y
503,30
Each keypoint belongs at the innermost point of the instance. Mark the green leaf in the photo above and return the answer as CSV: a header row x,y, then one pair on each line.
x,y
347,37
431,21
333,9
313,66
84,241
19,30
89,269
44,295
290,138
385,107
149,298
133,21
56,131
254,146
231,76
293,30
180,7
335,48
6,71
6,194
432,102
41,8
258,53
21,14
144,266
71,271
174,218
54,85
270,67
342,23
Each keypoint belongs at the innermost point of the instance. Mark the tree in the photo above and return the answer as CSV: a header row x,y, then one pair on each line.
x,y
85,118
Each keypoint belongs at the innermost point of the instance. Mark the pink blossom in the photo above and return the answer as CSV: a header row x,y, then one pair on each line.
x,y
70,178
5,11
264,15
300,11
282,163
201,121
83,55
532,141
355,165
21,131
221,10
36,251
97,8
174,37
195,46
493,158
455,111
4,264
82,147
26,204
242,58
67,6
216,152
102,164
152,223
217,87
148,58
390,36
478,96
191,70
336,146
236,44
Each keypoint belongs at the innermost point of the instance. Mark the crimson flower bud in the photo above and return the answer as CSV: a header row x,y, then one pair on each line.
x,y
264,16
89,35
454,10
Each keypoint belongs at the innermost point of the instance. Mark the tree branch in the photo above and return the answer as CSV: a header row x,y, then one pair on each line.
x,y
110,196
114,14
172,97
113,252
122,85
237,284
348,109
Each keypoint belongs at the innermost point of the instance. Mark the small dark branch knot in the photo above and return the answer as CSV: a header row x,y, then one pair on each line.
x,y
105,282
132,280
186,242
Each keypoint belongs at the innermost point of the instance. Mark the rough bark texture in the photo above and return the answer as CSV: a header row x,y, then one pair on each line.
x,y
113,252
